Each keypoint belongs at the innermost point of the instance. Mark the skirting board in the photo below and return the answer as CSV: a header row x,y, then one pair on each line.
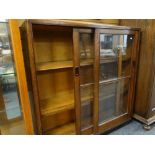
x,y
143,120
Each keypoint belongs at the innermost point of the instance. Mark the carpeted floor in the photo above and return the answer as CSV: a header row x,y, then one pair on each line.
x,y
133,128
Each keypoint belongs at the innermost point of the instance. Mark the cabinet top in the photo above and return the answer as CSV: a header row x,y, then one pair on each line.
x,y
74,23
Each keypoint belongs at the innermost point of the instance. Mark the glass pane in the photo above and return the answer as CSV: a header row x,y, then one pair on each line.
x,y
115,56
113,99
86,78
86,101
11,121
115,71
86,46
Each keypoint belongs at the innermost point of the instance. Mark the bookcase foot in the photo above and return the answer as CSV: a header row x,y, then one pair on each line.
x,y
147,127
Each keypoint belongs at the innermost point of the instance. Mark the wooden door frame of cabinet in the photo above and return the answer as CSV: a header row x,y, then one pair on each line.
x,y
133,73
76,62
96,80
76,55
21,76
135,62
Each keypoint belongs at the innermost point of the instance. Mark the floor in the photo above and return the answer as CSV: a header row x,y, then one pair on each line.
x,y
133,128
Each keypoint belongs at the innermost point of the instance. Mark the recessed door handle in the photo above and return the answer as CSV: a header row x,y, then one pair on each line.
x,y
76,71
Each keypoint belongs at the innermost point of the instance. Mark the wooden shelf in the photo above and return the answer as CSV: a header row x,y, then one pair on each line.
x,y
86,62
45,66
111,60
106,97
86,123
60,102
57,103
114,80
67,129
107,60
102,61
54,65
85,99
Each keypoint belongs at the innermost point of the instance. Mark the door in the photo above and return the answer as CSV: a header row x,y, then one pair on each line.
x,y
83,40
115,75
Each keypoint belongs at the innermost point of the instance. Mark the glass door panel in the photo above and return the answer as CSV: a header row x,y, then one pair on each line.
x,y
113,99
86,105
114,75
115,56
86,78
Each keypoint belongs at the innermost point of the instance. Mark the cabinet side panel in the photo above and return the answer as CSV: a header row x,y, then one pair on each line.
x,y
144,81
25,33
151,111
152,106
27,68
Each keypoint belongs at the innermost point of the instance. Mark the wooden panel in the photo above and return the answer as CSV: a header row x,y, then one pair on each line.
x,y
55,82
61,64
58,120
21,77
54,65
62,101
88,131
146,60
57,104
151,112
20,22
152,103
96,81
67,129
134,71
104,21
32,74
78,24
53,44
114,123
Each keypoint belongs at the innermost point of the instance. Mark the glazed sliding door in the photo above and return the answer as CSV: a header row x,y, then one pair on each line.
x,y
83,40
114,48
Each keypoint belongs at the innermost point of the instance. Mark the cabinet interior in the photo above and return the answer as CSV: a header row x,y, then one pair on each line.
x,y
54,64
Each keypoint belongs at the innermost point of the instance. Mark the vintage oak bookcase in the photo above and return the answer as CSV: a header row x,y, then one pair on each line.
x,y
82,75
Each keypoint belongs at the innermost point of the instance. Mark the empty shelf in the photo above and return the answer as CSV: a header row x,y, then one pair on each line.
x,y
57,103
54,65
61,102
45,66
86,62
